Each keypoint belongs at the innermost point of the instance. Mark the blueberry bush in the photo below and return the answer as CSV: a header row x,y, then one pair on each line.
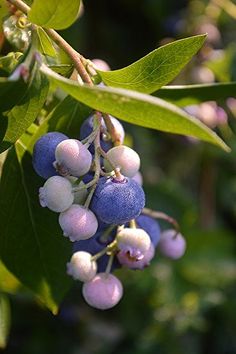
x,y
72,202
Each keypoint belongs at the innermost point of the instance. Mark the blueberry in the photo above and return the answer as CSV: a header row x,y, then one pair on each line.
x,y
44,154
117,201
73,158
78,223
151,226
125,158
103,292
106,143
56,194
172,244
133,242
81,266
125,259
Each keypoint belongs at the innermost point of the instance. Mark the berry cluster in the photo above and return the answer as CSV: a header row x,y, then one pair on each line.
x,y
97,189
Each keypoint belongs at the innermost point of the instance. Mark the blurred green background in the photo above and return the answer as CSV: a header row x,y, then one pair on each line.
x,y
174,307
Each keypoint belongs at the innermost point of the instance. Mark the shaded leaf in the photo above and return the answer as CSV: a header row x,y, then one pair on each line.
x,y
137,108
68,116
26,110
57,14
8,283
157,68
31,243
5,320
193,94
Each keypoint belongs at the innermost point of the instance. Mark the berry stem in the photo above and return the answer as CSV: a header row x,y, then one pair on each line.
x,y
160,215
109,264
110,248
96,161
106,234
132,224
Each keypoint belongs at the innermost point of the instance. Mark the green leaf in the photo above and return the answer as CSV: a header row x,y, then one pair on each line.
x,y
9,62
10,93
8,283
155,69
137,108
5,320
57,14
62,69
3,11
32,246
192,94
68,116
26,110
45,43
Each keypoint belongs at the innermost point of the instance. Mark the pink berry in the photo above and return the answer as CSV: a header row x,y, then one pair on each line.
x,y
103,292
125,259
82,267
73,158
124,158
134,242
172,244
78,223
56,194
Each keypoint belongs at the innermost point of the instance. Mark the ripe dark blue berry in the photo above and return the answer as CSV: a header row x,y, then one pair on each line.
x,y
151,226
44,154
106,143
117,201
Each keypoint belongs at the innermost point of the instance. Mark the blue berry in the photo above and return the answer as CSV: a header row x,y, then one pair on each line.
x,y
44,154
87,128
117,201
151,226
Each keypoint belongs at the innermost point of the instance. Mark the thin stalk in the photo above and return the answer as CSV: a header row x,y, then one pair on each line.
x,y
162,216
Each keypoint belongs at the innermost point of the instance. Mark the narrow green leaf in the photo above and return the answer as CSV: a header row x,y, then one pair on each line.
x,y
193,94
8,283
62,69
157,68
5,320
68,116
31,242
25,111
57,14
10,93
137,108
45,43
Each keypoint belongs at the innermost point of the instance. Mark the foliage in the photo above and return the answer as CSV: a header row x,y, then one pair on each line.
x,y
31,246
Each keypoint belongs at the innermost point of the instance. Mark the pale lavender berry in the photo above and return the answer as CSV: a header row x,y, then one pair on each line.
x,y
82,267
56,194
125,158
103,292
72,158
78,223
172,244
138,178
125,259
134,242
